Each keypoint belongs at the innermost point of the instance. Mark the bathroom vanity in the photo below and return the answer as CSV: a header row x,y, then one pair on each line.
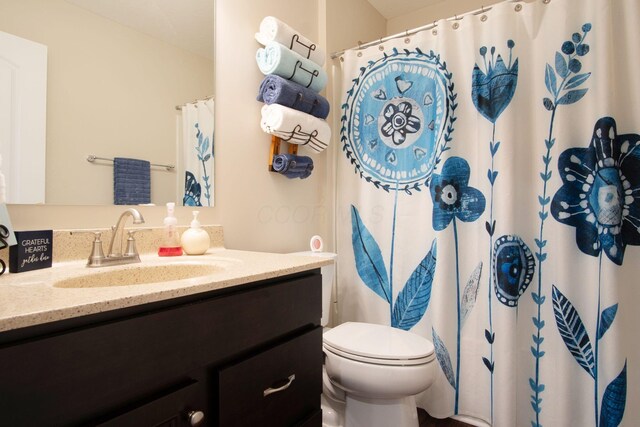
x,y
239,354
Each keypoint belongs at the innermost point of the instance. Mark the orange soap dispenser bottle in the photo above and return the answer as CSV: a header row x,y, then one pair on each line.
x,y
170,239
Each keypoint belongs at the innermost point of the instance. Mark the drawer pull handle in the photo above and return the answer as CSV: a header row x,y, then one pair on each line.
x,y
272,390
195,418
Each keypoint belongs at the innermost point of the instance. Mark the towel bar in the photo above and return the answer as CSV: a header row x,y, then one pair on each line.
x,y
296,39
312,73
91,158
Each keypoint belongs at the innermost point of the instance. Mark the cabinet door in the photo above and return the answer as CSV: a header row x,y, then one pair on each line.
x,y
278,387
181,408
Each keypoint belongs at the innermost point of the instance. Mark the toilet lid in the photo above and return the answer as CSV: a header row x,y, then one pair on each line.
x,y
378,344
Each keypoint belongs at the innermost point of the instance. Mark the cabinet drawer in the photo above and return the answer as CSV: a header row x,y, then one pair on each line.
x,y
255,392
175,409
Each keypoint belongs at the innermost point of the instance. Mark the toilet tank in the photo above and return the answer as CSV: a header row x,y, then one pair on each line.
x,y
328,276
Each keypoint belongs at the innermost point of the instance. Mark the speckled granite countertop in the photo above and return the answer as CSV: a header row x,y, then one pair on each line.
x,y
32,298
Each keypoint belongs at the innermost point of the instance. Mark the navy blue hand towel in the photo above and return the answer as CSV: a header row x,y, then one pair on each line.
x,y
131,181
293,166
277,90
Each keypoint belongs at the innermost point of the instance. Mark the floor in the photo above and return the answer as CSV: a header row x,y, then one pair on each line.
x,y
427,421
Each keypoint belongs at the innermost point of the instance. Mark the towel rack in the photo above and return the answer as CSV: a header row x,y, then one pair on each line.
x,y
275,149
91,158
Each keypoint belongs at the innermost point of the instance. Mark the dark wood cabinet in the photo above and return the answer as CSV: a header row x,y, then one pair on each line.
x,y
279,385
160,364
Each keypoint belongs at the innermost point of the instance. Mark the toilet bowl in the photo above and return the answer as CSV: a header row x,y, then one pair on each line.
x,y
371,372
380,369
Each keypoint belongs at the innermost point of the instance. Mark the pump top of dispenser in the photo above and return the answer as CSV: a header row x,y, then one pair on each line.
x,y
194,222
171,219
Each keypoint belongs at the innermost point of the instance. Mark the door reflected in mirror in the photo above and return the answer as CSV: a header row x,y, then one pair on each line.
x,y
116,73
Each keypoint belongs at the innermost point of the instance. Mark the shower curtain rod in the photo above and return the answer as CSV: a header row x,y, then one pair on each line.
x,y
179,107
413,31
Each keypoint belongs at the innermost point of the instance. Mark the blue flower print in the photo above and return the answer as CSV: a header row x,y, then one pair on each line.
x,y
492,91
513,268
600,195
452,196
399,122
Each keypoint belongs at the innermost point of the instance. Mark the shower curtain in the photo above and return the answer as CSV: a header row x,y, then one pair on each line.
x,y
197,153
489,200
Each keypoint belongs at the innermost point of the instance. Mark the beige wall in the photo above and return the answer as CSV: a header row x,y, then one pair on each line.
x,y
259,210
441,10
111,92
347,22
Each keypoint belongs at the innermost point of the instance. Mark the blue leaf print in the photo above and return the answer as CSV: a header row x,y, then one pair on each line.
x,y
567,67
369,262
576,81
550,80
470,294
573,332
561,65
606,319
572,96
413,300
614,400
204,145
443,358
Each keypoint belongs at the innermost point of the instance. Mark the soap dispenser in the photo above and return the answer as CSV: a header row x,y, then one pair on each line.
x,y
195,240
170,240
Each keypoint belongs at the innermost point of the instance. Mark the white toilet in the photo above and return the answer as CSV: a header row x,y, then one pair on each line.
x,y
371,372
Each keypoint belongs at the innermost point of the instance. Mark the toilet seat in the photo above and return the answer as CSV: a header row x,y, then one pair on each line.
x,y
378,345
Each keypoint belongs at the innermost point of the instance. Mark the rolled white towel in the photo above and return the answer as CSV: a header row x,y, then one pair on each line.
x,y
295,127
273,29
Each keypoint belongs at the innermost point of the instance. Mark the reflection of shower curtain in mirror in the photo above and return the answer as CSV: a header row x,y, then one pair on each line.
x,y
197,153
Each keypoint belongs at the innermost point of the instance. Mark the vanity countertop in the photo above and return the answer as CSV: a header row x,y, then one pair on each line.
x,y
31,298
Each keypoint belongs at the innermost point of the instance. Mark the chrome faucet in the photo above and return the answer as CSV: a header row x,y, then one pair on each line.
x,y
115,256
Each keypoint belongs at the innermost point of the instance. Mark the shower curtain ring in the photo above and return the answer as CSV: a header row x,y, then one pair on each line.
x,y
483,17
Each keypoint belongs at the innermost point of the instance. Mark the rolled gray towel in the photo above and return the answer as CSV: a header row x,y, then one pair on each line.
x,y
278,90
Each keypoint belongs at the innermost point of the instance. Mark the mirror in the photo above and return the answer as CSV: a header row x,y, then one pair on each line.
x,y
118,74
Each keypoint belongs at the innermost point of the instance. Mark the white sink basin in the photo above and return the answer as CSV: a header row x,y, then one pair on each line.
x,y
138,275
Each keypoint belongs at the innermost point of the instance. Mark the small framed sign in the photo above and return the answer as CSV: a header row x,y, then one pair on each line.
x,y
34,250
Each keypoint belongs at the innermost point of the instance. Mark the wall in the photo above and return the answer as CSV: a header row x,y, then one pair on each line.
x,y
441,10
259,210
111,91
347,22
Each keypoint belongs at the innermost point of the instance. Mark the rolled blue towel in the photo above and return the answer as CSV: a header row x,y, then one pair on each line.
x,y
277,90
131,181
277,59
293,166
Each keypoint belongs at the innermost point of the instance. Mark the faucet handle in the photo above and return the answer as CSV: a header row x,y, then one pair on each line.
x,y
131,250
97,254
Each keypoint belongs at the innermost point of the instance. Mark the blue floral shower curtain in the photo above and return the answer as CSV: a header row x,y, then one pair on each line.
x,y
489,200
197,154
